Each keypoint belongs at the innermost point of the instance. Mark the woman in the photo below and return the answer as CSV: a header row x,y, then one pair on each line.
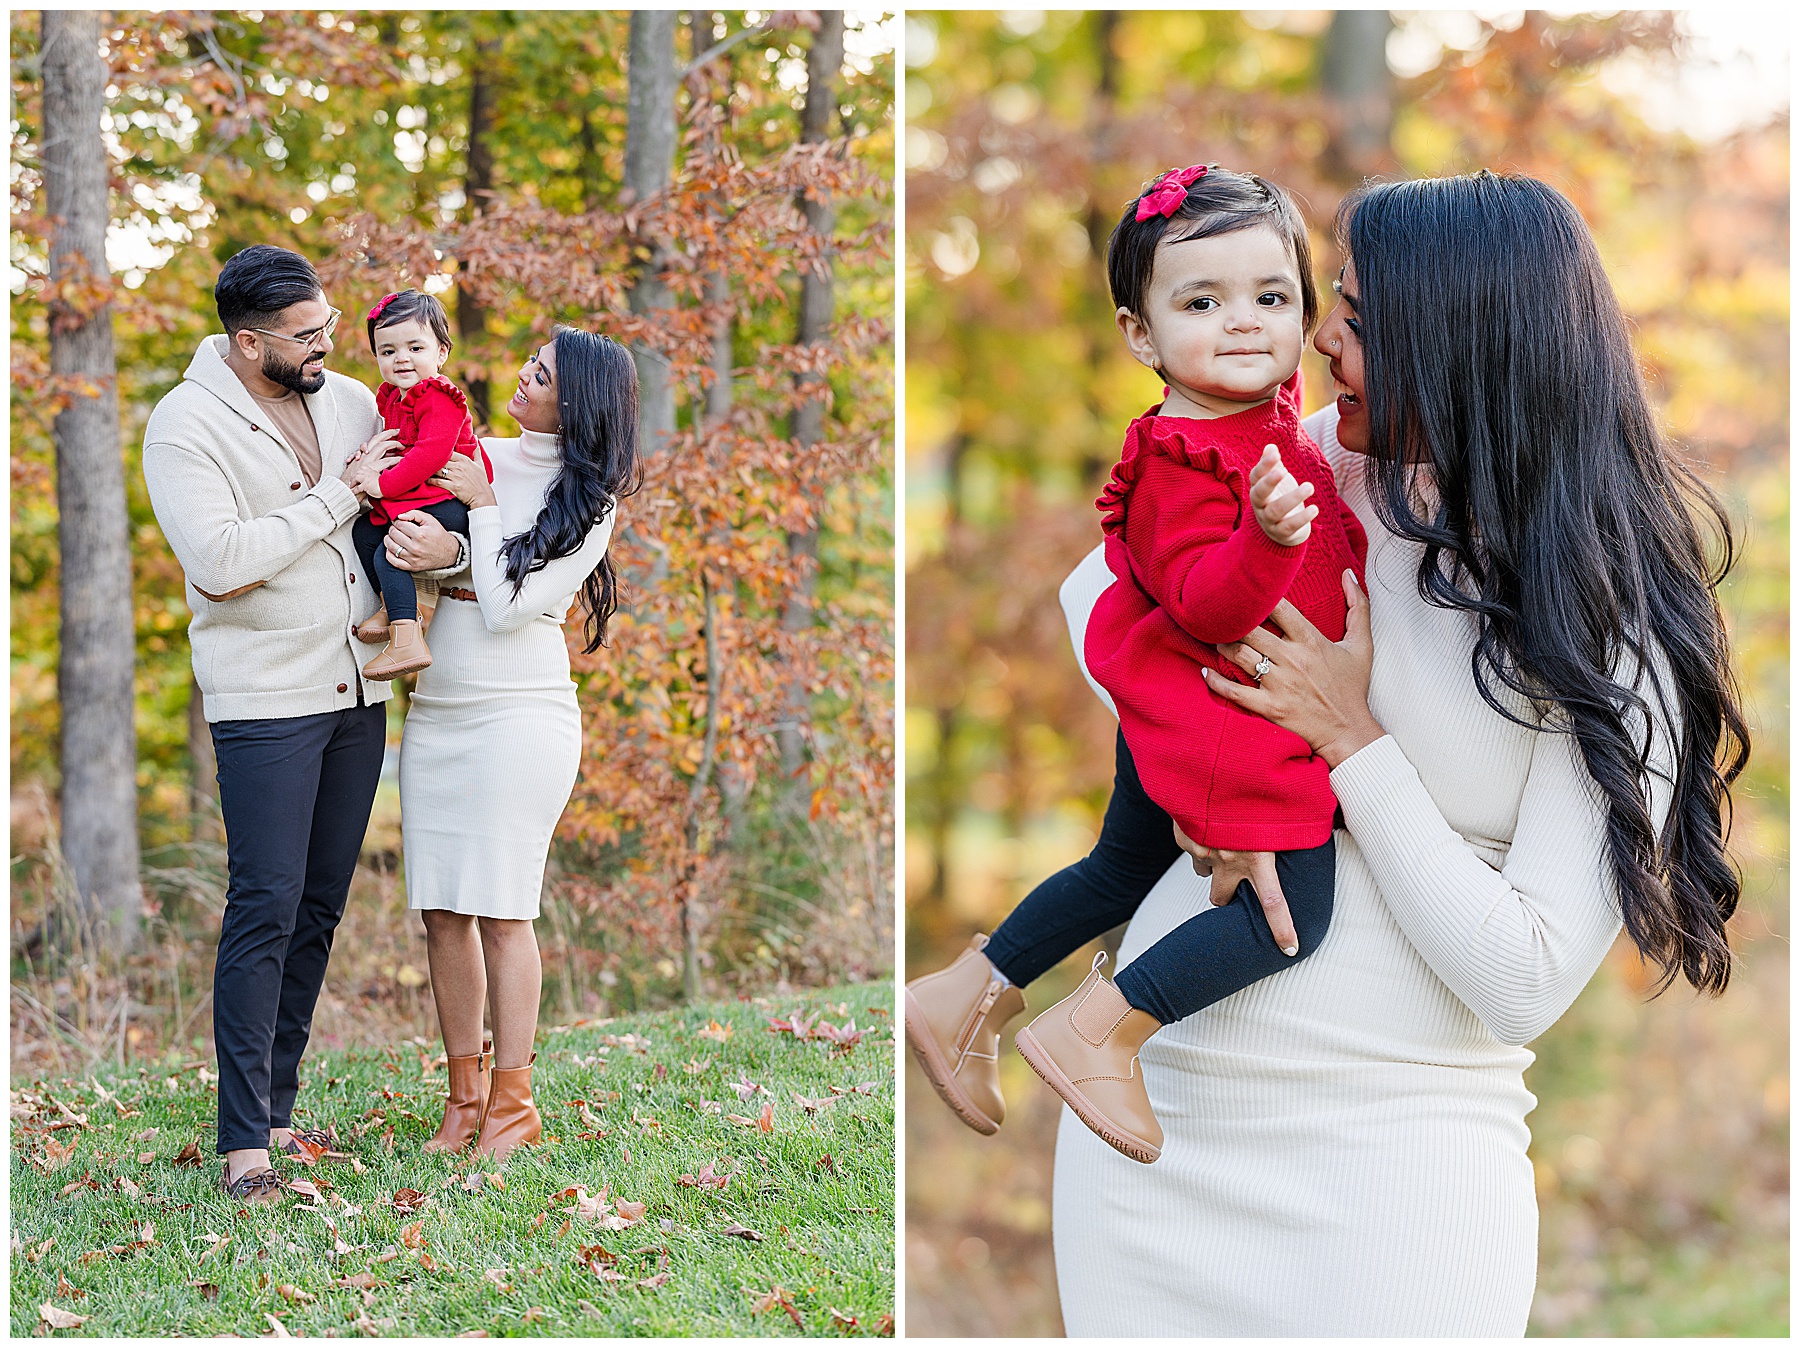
x,y
493,736
1346,1146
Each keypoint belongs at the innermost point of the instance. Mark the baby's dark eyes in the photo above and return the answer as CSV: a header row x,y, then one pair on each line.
x,y
1271,299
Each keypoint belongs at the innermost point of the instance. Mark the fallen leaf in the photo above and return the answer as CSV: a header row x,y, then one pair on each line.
x,y
56,1156
407,1201
209,1291
305,1188
65,1289
280,1330
766,1123
497,1276
127,1188
747,1088
774,1297
885,1326
537,1222
740,1120
412,1236
843,1319
37,1252
57,1318
189,1155
708,1178
694,1067
588,1308
743,1232
716,1032
359,1280
145,1157
145,1136
291,1293
657,1281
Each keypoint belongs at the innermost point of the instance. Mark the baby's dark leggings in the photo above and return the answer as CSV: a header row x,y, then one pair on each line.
x,y
1208,957
398,591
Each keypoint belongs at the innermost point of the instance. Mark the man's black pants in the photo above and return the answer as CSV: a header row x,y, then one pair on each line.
x,y
295,794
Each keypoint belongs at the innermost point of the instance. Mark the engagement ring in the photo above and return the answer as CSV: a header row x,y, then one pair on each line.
x,y
1263,666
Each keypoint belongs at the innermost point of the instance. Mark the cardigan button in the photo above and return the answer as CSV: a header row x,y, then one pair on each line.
x,y
293,486
343,688
254,427
353,577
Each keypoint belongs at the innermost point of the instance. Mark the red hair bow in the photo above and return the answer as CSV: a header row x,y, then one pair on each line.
x,y
1168,192
383,303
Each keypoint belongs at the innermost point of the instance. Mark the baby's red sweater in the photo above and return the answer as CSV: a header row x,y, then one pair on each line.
x,y
1194,570
433,420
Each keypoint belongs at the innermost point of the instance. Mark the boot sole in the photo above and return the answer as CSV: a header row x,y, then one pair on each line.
x,y
404,667
1103,1128
937,1071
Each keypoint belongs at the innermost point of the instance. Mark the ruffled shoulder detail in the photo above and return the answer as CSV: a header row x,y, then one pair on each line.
x,y
387,397
441,387
1150,436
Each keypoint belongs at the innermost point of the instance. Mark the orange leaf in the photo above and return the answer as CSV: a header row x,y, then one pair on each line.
x,y
413,1236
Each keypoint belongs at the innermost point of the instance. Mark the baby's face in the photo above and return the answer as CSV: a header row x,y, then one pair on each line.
x,y
408,352
1223,317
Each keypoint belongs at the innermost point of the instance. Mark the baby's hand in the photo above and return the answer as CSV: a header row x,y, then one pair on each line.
x,y
1280,501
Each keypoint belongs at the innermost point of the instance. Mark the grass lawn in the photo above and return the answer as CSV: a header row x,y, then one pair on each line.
x,y
798,1238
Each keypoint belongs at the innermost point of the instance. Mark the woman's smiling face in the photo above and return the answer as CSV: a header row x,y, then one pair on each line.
x,y
1340,341
533,403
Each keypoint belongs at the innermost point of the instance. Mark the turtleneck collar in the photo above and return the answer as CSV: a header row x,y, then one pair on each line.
x,y
540,448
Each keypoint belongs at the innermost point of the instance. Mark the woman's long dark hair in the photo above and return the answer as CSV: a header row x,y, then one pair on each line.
x,y
597,404
1496,353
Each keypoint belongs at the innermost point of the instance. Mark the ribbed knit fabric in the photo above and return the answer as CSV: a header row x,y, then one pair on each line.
x,y
1195,570
493,737
1345,1145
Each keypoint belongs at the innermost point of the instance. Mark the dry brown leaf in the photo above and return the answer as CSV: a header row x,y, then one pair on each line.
x,y
407,1201
189,1155
743,1232
144,1136
716,1032
127,1188
66,1290
279,1330
740,1120
766,1121
657,1281
294,1294
359,1281
209,1291
37,1252
57,1318
145,1157
412,1236
843,1319
218,1243
306,1188
497,1276
56,1156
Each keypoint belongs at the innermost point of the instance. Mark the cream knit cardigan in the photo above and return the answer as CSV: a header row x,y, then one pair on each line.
x,y
234,505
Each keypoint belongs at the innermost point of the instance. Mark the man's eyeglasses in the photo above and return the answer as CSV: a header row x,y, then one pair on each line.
x,y
313,340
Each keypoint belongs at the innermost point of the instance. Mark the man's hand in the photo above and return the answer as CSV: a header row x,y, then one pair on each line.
x,y
1280,501
417,542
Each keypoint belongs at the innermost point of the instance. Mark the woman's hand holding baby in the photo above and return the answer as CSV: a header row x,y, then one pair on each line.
x,y
1228,869
464,479
1280,502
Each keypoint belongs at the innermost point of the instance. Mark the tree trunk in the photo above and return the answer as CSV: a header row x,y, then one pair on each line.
x,y
203,786
649,166
692,913
1359,95
478,180
94,676
823,62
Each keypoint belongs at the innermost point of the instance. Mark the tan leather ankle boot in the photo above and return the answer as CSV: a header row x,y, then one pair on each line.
x,y
1086,1050
406,652
953,1023
512,1118
376,628
467,1102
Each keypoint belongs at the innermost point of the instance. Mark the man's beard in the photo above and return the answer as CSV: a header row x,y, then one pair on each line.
x,y
278,371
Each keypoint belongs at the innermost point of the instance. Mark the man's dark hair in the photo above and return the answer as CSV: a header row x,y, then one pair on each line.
x,y
410,304
254,286
1222,202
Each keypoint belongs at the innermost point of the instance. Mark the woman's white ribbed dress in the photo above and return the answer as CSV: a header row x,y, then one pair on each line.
x,y
493,738
1345,1146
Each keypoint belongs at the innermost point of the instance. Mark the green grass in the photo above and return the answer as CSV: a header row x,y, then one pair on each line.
x,y
827,1225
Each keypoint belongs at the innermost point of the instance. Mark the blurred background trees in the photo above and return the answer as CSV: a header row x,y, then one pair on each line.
x,y
516,164
1660,1140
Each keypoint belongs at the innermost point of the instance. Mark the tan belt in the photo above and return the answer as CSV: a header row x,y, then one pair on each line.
x,y
467,596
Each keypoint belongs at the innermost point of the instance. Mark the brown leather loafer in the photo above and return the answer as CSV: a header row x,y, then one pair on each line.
x,y
256,1186
953,1023
1086,1050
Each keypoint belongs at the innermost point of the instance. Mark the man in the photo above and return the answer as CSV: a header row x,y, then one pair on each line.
x,y
247,465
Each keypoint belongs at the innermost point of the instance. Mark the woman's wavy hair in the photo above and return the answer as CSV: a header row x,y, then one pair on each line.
x,y
597,404
1495,351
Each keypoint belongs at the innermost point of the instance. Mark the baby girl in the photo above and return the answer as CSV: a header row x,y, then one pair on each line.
x,y
410,335
1219,507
